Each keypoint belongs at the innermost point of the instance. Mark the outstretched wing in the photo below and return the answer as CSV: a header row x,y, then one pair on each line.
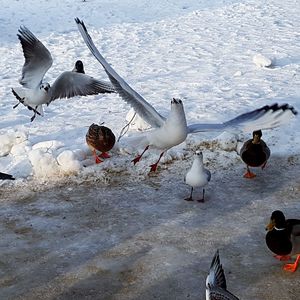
x,y
38,59
265,117
216,276
70,84
216,282
140,105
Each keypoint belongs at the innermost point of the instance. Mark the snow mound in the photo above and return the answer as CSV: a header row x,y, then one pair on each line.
x,y
262,61
10,139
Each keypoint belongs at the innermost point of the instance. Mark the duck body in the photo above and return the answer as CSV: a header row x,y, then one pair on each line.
x,y
283,238
100,138
255,153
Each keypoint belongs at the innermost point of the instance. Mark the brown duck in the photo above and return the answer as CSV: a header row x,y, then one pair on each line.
x,y
255,153
100,138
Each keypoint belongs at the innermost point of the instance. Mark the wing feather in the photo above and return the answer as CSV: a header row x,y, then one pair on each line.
x,y
38,59
70,84
129,95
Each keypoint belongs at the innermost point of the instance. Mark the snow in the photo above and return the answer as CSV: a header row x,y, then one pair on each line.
x,y
199,51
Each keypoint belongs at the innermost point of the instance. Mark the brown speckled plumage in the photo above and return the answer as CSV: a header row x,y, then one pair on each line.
x,y
100,138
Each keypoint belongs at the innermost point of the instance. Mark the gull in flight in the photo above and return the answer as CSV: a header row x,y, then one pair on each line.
x,y
171,131
216,288
197,176
38,60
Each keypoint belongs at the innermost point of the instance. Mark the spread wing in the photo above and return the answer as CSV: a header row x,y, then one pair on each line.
x,y
216,282
70,84
265,117
140,105
38,59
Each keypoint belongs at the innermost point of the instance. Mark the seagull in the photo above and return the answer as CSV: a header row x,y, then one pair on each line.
x,y
172,131
38,60
197,176
78,67
216,288
283,239
255,153
4,176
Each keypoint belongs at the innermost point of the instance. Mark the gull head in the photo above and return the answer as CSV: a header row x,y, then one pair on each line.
x,y
78,67
45,87
199,154
177,106
175,101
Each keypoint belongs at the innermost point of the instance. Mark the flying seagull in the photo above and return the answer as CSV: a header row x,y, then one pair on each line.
x,y
171,131
216,288
38,60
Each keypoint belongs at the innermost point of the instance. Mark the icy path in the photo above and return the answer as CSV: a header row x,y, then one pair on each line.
x,y
143,241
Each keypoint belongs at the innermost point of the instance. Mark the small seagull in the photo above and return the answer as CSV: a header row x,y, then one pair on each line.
x,y
197,176
171,131
78,67
38,60
102,139
216,288
255,153
4,176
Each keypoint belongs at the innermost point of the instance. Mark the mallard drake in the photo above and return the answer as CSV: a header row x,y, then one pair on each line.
x,y
4,176
216,288
102,139
283,238
197,176
255,153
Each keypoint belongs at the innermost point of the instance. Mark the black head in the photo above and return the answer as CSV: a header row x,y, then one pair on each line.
x,y
79,66
257,133
277,220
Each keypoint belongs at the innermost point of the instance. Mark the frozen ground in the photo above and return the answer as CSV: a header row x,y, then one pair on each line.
x,y
130,240
74,230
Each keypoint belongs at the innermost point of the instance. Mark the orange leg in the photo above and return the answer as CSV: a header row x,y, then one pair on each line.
x,y
282,257
138,158
97,159
154,166
249,174
264,165
104,155
292,267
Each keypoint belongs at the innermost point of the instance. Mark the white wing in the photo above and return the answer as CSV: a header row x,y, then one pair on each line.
x,y
38,59
140,105
216,282
262,118
70,84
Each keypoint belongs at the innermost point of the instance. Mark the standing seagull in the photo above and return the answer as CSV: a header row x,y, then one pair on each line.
x,y
255,153
197,176
216,288
171,131
38,60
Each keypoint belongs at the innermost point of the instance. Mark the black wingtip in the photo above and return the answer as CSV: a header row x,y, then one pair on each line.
x,y
5,176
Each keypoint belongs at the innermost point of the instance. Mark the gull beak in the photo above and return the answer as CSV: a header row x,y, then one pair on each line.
x,y
270,226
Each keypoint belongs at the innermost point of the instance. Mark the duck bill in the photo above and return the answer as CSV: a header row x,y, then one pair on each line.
x,y
270,226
